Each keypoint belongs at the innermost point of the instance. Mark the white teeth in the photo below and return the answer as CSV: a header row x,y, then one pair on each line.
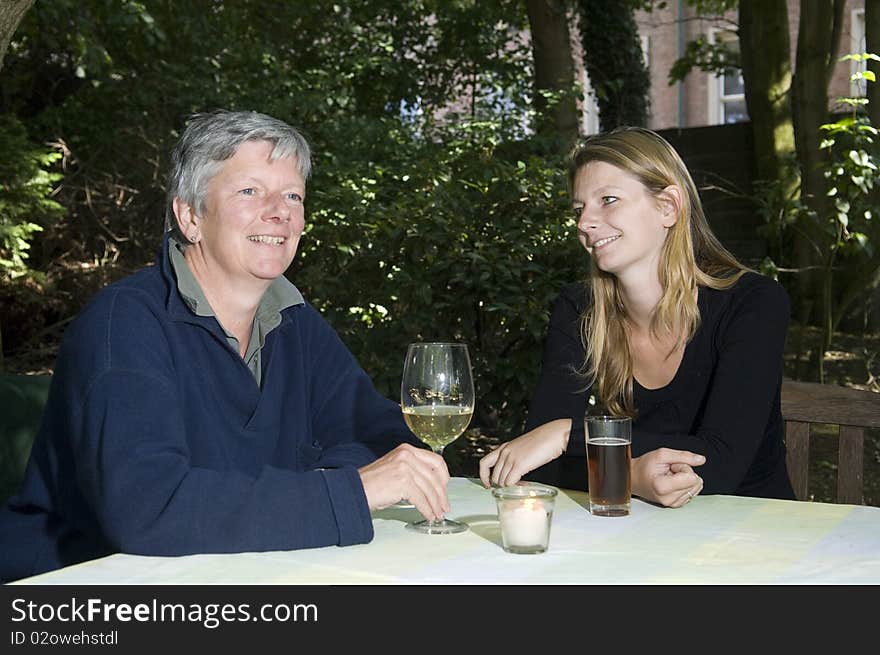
x,y
602,242
262,238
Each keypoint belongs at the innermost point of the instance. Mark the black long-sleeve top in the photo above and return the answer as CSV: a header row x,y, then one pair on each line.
x,y
724,401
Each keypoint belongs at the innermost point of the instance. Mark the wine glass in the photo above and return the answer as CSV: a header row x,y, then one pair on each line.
x,y
437,399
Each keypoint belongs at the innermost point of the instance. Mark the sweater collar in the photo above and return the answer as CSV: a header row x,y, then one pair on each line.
x,y
184,304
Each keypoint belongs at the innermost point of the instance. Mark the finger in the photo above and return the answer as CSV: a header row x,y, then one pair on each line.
x,y
486,464
680,501
437,476
433,465
675,484
680,497
499,466
689,494
693,492
669,456
422,504
434,498
427,473
503,468
512,472
428,457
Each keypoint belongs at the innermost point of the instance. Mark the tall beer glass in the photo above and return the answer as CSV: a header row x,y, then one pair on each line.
x,y
609,453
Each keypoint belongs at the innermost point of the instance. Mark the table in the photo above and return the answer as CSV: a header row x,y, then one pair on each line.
x,y
711,540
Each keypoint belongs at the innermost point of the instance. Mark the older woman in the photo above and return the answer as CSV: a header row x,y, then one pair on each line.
x,y
670,329
201,405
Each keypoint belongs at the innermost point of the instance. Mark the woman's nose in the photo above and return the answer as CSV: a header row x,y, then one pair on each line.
x,y
277,210
586,221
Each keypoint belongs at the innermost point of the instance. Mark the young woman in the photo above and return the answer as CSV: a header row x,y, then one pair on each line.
x,y
670,329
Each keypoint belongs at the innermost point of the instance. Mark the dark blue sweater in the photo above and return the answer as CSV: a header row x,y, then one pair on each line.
x,y
156,439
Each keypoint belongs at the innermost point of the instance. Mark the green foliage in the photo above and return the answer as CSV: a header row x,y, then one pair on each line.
x,y
852,179
431,213
466,238
780,206
847,232
26,184
717,58
115,82
614,61
712,7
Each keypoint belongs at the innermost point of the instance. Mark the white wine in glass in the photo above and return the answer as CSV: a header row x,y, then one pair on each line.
x,y
437,399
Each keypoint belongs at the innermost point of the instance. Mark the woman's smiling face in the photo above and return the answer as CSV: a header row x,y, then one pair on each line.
x,y
620,222
254,215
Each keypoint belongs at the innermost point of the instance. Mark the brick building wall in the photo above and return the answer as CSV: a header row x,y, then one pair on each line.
x,y
691,103
719,155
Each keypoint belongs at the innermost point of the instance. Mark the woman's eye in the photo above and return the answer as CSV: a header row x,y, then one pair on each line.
x,y
250,191
578,211
607,200
294,197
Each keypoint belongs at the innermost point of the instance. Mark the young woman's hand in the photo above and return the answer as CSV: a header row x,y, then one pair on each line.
x,y
666,476
506,465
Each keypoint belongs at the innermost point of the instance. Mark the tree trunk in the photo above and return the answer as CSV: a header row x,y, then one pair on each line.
x,y
11,13
818,42
554,69
765,52
614,61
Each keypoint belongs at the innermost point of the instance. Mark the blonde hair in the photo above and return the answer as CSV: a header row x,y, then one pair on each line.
x,y
691,256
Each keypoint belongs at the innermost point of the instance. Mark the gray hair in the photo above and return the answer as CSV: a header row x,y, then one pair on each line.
x,y
210,139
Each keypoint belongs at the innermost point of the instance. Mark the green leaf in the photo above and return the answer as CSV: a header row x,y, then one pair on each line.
x,y
857,157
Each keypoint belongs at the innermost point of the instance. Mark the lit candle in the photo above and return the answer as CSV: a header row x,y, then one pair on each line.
x,y
525,523
524,512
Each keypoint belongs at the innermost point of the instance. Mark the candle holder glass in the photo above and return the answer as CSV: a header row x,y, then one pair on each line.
x,y
525,513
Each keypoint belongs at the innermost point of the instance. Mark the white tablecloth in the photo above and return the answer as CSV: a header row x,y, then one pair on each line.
x,y
711,540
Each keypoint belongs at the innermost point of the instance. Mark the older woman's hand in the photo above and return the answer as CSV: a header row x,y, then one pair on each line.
x,y
510,461
666,476
415,474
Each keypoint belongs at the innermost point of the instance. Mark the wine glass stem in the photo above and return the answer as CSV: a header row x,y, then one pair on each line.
x,y
435,523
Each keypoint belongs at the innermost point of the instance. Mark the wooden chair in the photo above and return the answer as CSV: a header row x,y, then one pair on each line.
x,y
22,398
852,410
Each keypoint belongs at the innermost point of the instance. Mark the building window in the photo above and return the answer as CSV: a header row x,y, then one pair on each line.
x,y
727,99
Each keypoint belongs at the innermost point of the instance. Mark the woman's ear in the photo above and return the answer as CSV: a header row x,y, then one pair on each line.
x,y
670,201
187,220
